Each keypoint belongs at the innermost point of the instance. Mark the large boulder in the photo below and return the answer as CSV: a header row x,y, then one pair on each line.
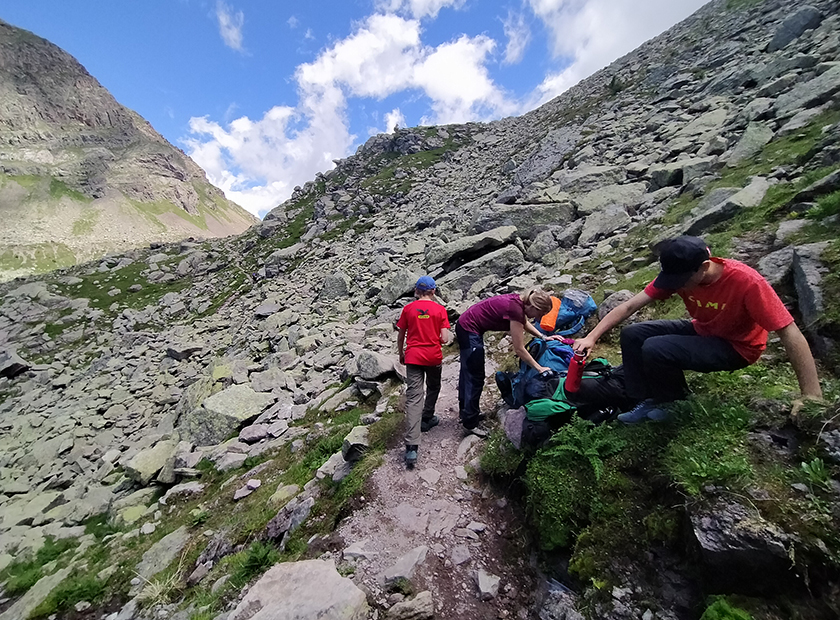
x,y
335,286
735,544
12,364
794,25
529,220
586,178
162,553
223,413
748,197
468,246
808,94
401,284
146,464
808,270
756,136
629,195
603,223
300,591
502,263
371,365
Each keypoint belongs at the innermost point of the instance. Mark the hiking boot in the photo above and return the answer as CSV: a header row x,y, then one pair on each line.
x,y
637,414
410,456
659,413
478,431
427,425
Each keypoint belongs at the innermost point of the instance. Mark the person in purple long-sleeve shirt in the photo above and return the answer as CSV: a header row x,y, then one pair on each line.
x,y
500,313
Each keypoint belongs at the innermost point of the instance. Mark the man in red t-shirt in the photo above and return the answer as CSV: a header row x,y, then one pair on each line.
x,y
732,308
423,328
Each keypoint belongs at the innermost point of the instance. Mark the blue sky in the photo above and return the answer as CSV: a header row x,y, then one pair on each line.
x,y
264,94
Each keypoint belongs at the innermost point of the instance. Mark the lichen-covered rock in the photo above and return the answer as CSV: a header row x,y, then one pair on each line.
x,y
223,413
304,589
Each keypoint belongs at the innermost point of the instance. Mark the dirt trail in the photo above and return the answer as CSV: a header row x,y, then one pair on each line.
x,y
463,523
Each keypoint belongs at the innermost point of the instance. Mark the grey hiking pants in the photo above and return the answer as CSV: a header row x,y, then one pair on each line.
x,y
419,403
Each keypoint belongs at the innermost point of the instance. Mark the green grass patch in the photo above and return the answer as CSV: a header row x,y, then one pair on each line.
x,y
720,609
500,457
826,206
23,573
86,222
710,448
36,258
151,211
74,589
252,562
58,190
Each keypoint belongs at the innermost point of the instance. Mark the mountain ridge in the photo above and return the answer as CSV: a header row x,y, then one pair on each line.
x,y
81,175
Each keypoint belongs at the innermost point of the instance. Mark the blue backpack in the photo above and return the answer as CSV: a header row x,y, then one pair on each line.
x,y
568,314
518,388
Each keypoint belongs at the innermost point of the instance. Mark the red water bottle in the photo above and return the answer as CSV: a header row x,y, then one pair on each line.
x,y
575,373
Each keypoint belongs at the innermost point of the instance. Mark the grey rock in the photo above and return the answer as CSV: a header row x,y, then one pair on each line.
x,y
560,604
500,262
147,463
806,18
183,351
629,196
304,589
335,286
750,196
488,585
254,433
372,365
36,595
421,607
223,413
807,278
12,364
529,220
405,566
735,542
603,223
162,553
756,136
356,443
460,554
401,284
586,178
814,92
470,245
614,300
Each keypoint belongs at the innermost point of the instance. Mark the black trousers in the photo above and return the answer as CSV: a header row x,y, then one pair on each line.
x,y
655,354
471,377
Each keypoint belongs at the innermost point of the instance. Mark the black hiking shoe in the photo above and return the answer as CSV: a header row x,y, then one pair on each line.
x,y
427,425
410,456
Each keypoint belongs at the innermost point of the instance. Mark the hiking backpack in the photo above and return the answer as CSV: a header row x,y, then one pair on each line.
x,y
567,314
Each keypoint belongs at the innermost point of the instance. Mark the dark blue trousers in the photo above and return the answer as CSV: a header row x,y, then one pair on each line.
x,y
471,377
655,354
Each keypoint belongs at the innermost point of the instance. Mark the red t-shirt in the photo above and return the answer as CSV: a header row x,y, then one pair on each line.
x,y
740,307
422,321
493,314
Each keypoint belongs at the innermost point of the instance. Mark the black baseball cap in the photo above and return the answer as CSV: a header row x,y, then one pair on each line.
x,y
680,259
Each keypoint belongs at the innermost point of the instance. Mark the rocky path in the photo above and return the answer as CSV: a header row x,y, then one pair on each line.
x,y
441,528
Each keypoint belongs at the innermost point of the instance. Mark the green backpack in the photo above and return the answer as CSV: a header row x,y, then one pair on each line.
x,y
543,408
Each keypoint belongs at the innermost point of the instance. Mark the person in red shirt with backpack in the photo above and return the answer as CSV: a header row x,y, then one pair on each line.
x,y
732,309
423,327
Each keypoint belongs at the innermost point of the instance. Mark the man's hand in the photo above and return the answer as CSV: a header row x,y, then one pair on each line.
x,y
584,345
402,358
802,402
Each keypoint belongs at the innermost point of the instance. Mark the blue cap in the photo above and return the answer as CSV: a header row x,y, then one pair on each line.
x,y
425,283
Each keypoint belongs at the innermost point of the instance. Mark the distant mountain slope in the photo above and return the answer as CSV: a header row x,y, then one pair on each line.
x,y
81,175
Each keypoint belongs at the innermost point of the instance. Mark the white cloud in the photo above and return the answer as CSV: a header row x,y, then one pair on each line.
x,y
418,9
589,34
293,22
394,119
309,34
518,37
258,162
230,25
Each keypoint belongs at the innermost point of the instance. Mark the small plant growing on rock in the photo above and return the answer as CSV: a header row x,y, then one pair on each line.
x,y
817,474
255,560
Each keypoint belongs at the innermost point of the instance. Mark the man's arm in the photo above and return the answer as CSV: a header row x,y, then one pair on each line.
x,y
801,359
401,344
614,317
517,336
445,335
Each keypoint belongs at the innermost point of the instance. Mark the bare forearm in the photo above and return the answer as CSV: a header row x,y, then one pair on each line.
x,y
526,357
802,361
